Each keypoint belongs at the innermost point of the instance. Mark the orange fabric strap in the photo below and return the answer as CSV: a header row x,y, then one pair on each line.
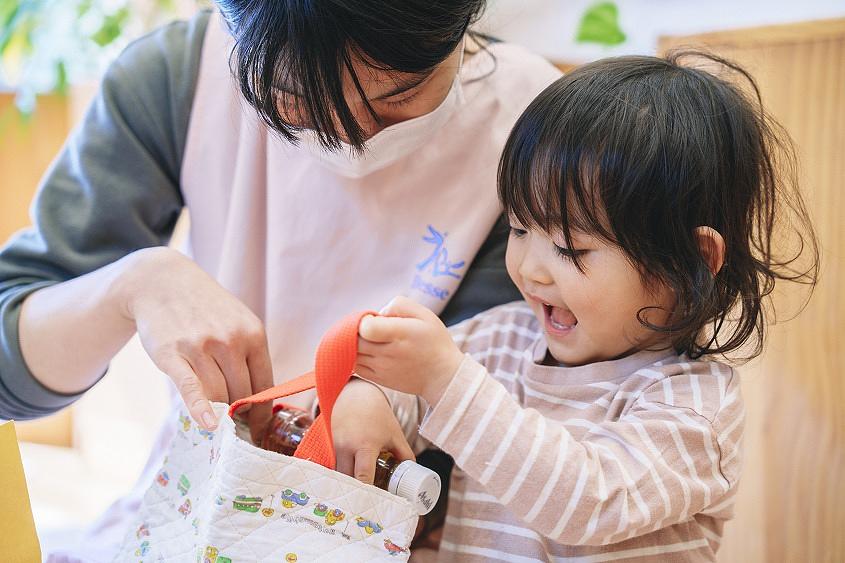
x,y
333,368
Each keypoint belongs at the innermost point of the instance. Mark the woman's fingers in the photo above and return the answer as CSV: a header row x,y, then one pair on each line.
x,y
260,367
211,376
191,389
261,378
235,371
239,383
214,346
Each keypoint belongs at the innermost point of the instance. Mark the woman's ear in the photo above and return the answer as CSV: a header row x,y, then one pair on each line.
x,y
712,247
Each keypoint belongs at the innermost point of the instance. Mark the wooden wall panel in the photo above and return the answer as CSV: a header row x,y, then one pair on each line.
x,y
27,147
791,505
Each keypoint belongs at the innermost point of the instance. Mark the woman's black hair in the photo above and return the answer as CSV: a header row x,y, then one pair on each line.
x,y
640,151
307,45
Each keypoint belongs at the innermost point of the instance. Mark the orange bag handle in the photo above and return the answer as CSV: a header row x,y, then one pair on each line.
x,y
333,368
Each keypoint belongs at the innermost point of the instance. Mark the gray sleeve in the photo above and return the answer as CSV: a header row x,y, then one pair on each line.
x,y
486,283
113,189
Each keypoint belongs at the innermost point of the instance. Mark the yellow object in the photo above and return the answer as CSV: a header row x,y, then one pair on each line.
x,y
18,540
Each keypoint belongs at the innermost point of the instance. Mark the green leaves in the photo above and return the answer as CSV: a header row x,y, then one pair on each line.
x,y
600,24
61,87
111,28
47,45
166,5
17,21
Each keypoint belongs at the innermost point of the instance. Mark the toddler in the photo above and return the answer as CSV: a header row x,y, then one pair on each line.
x,y
593,420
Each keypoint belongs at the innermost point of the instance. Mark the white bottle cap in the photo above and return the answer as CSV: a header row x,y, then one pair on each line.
x,y
418,484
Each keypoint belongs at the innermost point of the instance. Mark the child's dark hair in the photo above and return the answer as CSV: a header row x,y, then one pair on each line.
x,y
309,44
640,151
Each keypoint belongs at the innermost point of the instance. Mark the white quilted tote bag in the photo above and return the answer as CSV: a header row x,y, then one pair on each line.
x,y
219,499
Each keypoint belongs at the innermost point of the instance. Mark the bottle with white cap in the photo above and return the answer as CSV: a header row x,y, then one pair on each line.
x,y
407,479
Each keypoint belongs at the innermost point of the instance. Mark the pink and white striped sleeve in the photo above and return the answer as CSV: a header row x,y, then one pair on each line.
x,y
657,465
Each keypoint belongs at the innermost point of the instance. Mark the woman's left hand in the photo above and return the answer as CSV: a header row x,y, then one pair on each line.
x,y
409,349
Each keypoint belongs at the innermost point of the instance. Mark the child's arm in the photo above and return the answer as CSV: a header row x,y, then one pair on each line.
x,y
363,425
658,465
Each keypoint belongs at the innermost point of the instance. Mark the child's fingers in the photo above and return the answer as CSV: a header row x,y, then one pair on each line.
x,y
345,462
365,465
364,372
370,350
406,307
382,329
402,450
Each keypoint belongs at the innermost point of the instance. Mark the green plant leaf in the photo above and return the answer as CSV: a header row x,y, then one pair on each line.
x,y
600,24
11,15
18,37
84,7
8,10
61,79
112,27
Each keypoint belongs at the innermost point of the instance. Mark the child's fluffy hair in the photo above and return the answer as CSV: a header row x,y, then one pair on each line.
x,y
642,150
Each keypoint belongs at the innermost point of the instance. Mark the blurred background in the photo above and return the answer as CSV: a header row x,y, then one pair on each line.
x,y
791,505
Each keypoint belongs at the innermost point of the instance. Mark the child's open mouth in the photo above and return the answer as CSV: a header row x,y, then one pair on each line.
x,y
559,320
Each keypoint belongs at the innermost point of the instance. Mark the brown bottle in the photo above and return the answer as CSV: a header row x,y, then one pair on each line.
x,y
407,479
285,430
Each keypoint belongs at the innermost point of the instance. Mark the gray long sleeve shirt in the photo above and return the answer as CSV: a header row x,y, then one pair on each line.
x,y
115,188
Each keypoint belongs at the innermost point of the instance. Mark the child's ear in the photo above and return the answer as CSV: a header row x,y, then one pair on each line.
x,y
712,247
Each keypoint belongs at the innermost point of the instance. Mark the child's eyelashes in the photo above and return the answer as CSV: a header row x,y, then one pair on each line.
x,y
569,253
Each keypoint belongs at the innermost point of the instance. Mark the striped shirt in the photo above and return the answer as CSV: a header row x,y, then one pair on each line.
x,y
635,459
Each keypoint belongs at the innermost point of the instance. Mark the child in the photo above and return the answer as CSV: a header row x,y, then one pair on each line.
x,y
592,420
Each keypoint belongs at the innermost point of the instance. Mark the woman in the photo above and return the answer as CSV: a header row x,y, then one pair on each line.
x,y
331,155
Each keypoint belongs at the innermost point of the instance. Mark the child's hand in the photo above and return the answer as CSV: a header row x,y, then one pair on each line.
x,y
363,426
409,349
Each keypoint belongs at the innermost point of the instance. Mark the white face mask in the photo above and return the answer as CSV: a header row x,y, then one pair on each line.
x,y
391,143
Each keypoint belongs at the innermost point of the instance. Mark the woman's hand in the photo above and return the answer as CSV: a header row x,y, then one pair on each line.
x,y
209,343
363,426
408,349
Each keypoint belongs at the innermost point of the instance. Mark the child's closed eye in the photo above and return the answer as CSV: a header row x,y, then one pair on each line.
x,y
570,253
